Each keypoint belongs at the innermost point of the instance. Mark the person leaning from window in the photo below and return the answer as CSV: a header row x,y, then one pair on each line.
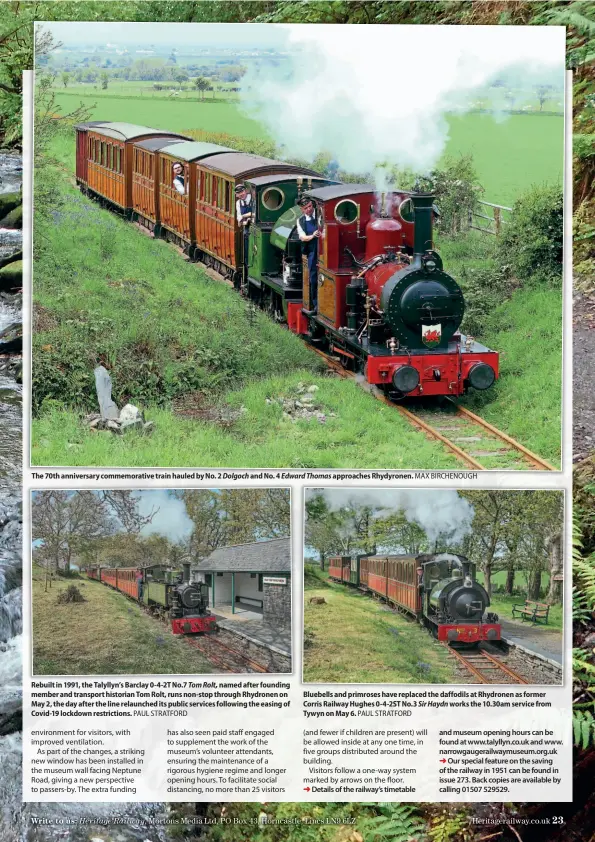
x,y
309,232
244,215
178,181
139,584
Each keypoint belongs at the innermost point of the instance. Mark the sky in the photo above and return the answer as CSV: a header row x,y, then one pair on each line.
x,y
171,520
528,43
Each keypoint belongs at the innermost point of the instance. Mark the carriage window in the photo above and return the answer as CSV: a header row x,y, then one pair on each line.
x,y
228,203
346,211
151,164
273,198
198,185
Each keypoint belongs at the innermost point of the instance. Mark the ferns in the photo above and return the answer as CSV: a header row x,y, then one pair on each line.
x,y
583,723
446,828
396,823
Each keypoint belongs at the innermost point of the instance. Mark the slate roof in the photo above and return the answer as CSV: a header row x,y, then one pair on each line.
x,y
258,557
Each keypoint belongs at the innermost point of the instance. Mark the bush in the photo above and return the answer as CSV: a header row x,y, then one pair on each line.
x,y
485,289
457,192
532,241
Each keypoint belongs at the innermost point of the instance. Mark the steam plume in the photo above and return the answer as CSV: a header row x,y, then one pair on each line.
x,y
437,512
376,95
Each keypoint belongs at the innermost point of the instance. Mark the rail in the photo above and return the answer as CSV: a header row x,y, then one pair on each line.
x,y
485,668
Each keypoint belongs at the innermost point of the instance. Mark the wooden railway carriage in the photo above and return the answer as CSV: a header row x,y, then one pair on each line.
x,y
145,181
109,160
218,234
177,218
82,150
395,579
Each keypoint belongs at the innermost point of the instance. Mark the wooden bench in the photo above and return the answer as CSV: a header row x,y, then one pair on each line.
x,y
530,610
250,600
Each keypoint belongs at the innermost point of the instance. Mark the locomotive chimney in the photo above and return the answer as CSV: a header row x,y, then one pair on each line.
x,y
422,220
186,571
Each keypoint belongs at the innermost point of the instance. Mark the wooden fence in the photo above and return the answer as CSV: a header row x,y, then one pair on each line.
x,y
489,218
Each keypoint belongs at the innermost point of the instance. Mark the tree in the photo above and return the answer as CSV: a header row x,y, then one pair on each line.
x,y
201,85
124,505
65,79
104,80
235,516
543,93
64,522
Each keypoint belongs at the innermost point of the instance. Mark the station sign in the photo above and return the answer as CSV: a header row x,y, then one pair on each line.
x,y
273,580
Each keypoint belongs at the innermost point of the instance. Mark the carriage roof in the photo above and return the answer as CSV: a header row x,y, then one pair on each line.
x,y
153,144
263,180
194,150
337,191
240,164
128,131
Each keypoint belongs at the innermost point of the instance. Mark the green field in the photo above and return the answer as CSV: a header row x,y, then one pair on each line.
x,y
108,634
354,639
510,155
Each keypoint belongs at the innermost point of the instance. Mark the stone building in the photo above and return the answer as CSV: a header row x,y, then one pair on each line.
x,y
255,576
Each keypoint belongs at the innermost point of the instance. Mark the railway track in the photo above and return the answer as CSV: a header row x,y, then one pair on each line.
x,y
485,667
223,656
475,442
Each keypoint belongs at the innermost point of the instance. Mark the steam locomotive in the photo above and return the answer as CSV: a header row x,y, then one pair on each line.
x,y
386,307
167,593
440,590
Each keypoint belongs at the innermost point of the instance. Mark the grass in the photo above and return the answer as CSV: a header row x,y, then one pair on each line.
x,y
526,401
364,434
354,639
164,112
502,605
510,154
106,635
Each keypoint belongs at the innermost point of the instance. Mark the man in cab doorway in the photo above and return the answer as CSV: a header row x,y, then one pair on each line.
x,y
309,232
244,216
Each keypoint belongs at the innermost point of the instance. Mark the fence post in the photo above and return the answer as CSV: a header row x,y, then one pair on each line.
x,y
497,219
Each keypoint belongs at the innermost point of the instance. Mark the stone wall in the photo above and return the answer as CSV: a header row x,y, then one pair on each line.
x,y
277,603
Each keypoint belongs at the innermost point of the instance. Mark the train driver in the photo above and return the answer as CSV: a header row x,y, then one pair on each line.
x,y
309,233
139,583
178,182
244,215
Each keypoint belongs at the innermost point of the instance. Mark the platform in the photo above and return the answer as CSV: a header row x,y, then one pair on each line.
x,y
543,641
242,612
256,630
